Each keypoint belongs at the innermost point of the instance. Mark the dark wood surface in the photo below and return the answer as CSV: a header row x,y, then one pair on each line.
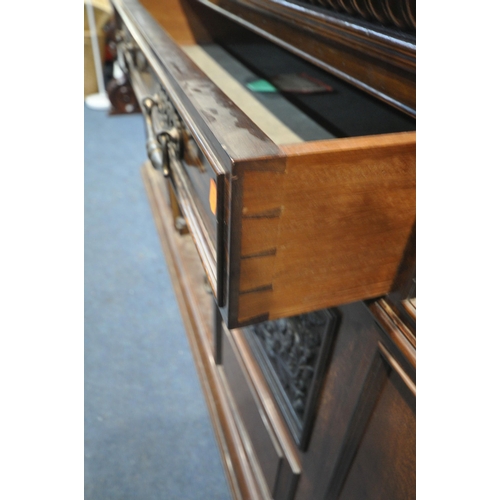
x,y
296,221
196,308
213,119
345,111
360,387
265,446
368,392
245,473
379,62
397,13
263,255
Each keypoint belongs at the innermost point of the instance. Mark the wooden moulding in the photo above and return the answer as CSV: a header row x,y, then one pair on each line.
x,y
275,458
399,334
240,458
194,305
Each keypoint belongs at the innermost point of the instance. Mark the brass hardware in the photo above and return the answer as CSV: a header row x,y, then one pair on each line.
x,y
192,156
164,146
180,224
167,134
155,143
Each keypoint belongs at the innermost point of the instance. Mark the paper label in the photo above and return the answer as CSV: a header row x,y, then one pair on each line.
x,y
213,196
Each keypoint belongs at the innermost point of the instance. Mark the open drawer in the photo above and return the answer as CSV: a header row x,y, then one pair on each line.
x,y
290,210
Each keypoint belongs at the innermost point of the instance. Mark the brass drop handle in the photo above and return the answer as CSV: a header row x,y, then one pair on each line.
x,y
157,144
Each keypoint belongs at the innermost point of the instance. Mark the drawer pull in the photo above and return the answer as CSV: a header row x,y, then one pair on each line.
x,y
160,146
155,143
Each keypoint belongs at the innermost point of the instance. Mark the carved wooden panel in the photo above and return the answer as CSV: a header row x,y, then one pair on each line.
x,y
397,13
292,353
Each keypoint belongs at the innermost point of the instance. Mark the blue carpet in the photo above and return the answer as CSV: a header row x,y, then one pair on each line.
x,y
147,430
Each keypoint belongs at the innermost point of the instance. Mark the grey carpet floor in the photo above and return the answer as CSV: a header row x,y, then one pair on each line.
x,y
147,430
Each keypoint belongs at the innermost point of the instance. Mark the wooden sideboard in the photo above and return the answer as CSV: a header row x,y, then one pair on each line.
x,y
288,225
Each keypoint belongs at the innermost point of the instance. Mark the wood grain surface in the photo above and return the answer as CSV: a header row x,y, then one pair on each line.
x,y
179,19
344,210
305,226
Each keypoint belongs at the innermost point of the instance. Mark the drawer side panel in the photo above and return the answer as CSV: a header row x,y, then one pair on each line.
x,y
349,208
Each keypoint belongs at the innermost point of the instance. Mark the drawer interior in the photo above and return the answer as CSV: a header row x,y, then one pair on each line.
x,y
292,117
275,115
233,56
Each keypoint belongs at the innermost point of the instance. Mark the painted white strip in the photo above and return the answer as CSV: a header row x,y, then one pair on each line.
x,y
274,128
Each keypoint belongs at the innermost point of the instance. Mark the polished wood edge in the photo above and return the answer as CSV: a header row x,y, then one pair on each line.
x,y
242,97
379,43
259,387
289,468
404,310
396,367
193,93
355,144
410,308
221,239
402,337
217,338
205,247
234,193
218,159
239,473
246,442
391,313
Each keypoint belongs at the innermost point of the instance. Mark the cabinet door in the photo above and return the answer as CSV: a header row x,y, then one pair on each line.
x,y
378,456
376,459
362,445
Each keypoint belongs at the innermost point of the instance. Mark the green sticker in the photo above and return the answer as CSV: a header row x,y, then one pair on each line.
x,y
261,86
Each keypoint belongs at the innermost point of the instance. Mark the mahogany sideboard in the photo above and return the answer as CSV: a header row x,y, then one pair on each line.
x,y
287,220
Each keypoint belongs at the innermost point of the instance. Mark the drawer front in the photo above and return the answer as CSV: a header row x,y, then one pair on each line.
x,y
281,229
172,149
279,474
